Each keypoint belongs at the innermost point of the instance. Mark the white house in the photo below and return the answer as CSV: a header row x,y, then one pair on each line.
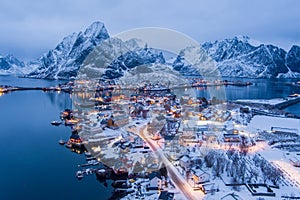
x,y
200,176
185,162
155,182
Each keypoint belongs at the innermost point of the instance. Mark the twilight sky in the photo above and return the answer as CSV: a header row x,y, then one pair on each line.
x,y
30,28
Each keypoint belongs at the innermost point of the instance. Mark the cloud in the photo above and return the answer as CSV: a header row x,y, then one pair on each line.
x,y
30,28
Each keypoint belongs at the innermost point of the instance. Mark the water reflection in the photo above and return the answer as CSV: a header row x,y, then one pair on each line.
x,y
61,99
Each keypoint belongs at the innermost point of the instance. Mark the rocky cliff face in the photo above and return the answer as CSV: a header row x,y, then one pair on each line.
x,y
11,65
293,59
238,57
64,60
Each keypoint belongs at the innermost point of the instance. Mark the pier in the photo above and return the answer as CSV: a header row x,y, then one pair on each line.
x,y
7,89
271,103
288,102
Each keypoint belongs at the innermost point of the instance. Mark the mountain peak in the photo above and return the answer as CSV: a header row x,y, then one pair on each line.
x,y
11,65
96,29
242,38
64,61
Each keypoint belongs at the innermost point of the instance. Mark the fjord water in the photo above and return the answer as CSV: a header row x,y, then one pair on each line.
x,y
33,164
261,89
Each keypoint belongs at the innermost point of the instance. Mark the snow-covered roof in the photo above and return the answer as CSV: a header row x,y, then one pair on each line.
x,y
185,158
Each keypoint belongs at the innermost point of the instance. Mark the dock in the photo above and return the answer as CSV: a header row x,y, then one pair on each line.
x,y
45,89
288,102
271,103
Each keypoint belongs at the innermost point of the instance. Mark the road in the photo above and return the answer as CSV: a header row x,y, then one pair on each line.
x,y
179,181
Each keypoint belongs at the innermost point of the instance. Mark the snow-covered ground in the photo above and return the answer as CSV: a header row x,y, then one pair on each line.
x,y
267,122
263,101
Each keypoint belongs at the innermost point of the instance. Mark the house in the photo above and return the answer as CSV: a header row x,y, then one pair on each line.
x,y
138,143
120,117
155,181
245,109
165,195
232,138
202,128
208,188
189,140
200,177
185,162
209,136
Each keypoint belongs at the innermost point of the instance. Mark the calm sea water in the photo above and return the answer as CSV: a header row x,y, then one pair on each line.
x,y
35,166
261,89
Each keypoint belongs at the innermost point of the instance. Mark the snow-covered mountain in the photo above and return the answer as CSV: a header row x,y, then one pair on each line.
x,y
89,50
239,57
113,57
236,57
293,59
64,60
132,59
11,65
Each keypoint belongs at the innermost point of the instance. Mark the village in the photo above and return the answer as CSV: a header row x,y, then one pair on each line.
x,y
156,145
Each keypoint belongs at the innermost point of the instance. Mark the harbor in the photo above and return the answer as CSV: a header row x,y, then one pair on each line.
x,y
73,162
132,131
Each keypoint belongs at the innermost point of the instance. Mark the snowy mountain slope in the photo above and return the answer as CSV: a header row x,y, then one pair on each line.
x,y
114,56
293,59
238,57
64,61
11,65
91,51
194,60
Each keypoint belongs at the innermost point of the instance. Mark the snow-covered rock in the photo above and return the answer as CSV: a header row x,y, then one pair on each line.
x,y
64,61
293,59
241,57
236,57
11,65
114,57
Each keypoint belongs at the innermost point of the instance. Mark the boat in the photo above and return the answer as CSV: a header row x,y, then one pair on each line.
x,y
71,122
68,145
56,123
87,154
90,158
93,162
61,142
79,174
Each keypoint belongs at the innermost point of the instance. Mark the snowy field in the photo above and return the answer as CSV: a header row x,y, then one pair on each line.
x,y
263,101
267,122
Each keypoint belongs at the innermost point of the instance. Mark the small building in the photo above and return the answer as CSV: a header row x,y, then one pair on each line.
x,y
202,128
245,109
120,117
208,188
217,128
188,130
189,140
209,136
228,137
200,177
155,182
137,143
185,162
